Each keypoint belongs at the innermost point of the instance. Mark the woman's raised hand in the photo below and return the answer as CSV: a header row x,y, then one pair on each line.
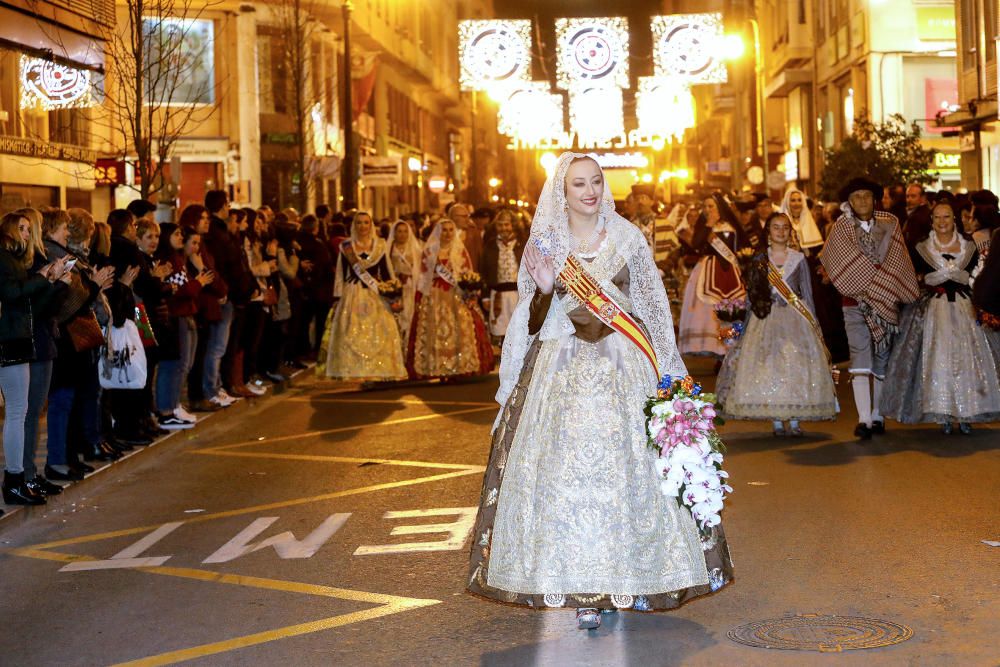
x,y
540,268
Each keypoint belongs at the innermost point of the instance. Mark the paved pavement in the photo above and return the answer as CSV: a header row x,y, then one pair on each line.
x,y
324,526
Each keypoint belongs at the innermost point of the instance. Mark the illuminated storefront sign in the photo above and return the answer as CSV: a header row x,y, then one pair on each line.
x,y
109,172
570,140
947,160
492,52
688,46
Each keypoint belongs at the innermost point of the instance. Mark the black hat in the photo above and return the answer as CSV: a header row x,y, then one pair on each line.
x,y
482,213
744,206
860,183
644,189
758,197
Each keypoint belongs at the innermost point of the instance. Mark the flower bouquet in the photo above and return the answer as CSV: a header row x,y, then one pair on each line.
x,y
391,291
471,284
731,310
680,425
729,334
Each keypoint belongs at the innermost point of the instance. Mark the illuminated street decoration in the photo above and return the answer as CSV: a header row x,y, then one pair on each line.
x,y
47,85
664,107
492,52
529,111
595,114
688,46
592,51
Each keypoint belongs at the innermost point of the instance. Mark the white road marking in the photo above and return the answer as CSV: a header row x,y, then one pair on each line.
x,y
130,556
284,544
458,532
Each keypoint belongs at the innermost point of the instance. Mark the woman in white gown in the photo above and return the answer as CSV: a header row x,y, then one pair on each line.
x,y
571,513
715,278
778,369
361,341
448,337
404,254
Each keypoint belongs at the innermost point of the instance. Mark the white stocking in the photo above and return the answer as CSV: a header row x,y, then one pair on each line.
x,y
876,399
862,398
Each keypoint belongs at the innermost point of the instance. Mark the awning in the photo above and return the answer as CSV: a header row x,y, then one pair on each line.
x,y
986,111
41,38
787,81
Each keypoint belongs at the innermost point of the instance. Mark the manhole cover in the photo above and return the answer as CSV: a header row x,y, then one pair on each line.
x,y
813,632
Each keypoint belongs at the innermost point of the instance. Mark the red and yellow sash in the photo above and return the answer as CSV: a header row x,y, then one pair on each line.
x,y
585,288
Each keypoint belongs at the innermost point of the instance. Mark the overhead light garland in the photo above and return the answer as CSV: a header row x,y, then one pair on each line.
x,y
664,107
688,46
592,51
595,114
493,52
47,85
529,111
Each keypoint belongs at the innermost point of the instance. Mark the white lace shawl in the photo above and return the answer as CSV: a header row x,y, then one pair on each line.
x,y
806,229
550,231
458,258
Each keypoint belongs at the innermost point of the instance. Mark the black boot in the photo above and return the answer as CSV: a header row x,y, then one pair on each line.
x,y
100,452
17,492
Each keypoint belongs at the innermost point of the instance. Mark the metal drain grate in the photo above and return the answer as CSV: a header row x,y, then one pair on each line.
x,y
826,634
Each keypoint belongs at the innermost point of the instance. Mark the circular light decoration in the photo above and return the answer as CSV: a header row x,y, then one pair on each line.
x,y
687,46
592,50
492,52
49,85
664,107
529,112
595,114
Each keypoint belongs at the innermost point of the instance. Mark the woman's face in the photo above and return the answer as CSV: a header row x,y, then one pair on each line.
x,y
711,211
203,223
61,234
692,215
780,228
796,202
147,242
584,187
969,222
24,229
193,245
943,220
447,233
363,226
402,234
177,239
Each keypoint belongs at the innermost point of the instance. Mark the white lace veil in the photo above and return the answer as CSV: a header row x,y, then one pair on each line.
x,y
806,229
457,257
550,232
412,249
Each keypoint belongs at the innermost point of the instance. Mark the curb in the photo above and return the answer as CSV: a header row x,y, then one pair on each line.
x,y
18,514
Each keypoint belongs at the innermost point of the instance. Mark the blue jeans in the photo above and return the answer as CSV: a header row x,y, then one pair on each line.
x,y
38,390
14,381
215,349
60,407
170,373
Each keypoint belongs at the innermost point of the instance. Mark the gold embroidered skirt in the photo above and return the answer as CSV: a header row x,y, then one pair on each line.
x,y
571,512
361,341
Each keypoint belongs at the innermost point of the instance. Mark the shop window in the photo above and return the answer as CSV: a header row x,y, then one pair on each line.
x,y
14,196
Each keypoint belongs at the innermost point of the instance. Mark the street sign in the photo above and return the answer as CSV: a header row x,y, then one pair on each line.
x,y
381,170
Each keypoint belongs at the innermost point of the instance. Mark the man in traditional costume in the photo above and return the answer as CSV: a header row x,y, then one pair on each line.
x,y
645,217
501,258
867,261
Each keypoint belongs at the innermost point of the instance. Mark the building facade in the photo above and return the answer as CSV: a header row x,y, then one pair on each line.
x,y
977,114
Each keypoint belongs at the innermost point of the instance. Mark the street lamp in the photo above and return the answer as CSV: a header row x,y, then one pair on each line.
x,y
733,48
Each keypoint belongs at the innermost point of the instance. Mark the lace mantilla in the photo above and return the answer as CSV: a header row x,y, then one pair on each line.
x,y
550,230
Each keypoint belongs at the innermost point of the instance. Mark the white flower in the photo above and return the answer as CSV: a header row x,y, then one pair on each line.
x,y
662,409
670,487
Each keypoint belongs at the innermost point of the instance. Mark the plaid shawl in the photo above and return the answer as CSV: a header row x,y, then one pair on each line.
x,y
879,289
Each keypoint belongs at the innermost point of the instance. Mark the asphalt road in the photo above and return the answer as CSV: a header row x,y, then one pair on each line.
x,y
325,526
